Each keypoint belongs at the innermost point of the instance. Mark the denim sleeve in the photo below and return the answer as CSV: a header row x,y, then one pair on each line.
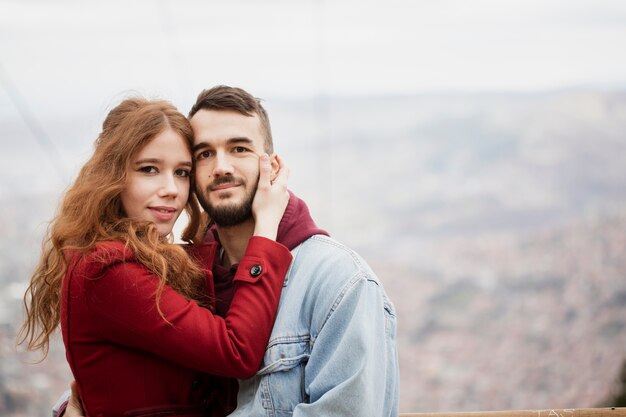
x,y
61,403
353,366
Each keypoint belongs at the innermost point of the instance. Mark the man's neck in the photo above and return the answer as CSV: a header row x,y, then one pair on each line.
x,y
234,240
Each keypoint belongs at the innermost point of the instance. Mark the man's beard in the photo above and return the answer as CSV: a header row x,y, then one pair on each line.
x,y
230,214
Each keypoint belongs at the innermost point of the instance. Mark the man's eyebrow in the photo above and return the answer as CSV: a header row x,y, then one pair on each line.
x,y
236,139
200,145
240,139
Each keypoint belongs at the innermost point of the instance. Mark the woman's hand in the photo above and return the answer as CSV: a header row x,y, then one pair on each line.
x,y
271,198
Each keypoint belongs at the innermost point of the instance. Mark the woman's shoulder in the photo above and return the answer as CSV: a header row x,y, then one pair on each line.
x,y
111,251
102,255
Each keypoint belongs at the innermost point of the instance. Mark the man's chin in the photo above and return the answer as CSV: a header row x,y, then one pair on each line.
x,y
224,205
227,209
228,215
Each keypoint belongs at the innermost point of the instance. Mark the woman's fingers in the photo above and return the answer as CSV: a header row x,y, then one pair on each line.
x,y
265,171
271,198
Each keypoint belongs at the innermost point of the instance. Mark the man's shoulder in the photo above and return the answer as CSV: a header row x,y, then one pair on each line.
x,y
326,245
324,257
325,274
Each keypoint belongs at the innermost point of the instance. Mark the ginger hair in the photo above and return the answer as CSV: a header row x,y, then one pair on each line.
x,y
91,212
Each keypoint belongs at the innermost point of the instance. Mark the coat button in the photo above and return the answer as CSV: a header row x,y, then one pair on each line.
x,y
256,270
195,384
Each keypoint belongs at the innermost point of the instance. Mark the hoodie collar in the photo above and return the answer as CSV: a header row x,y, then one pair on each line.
x,y
296,226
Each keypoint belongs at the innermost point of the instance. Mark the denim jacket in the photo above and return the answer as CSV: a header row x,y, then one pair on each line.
x,y
332,351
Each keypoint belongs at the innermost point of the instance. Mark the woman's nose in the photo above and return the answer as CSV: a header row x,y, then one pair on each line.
x,y
169,187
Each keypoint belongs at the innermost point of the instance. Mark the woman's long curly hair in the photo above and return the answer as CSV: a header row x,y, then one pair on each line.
x,y
91,212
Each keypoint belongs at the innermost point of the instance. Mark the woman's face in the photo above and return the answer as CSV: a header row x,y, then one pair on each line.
x,y
157,184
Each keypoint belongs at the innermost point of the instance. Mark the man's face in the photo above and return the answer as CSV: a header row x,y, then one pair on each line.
x,y
227,147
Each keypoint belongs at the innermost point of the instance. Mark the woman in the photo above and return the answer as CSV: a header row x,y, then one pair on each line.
x,y
135,309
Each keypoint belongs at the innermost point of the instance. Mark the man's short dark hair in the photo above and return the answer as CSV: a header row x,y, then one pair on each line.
x,y
223,97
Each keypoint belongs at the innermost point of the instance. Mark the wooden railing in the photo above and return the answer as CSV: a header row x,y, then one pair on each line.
x,y
574,412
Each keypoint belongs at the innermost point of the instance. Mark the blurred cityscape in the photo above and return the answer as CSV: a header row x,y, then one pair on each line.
x,y
497,224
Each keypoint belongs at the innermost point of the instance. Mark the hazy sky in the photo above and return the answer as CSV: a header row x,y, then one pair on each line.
x,y
87,48
63,64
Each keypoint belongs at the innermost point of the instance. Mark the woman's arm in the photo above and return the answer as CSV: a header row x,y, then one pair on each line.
x,y
120,298
122,304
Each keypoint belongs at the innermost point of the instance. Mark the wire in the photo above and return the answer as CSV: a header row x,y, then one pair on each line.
x,y
42,139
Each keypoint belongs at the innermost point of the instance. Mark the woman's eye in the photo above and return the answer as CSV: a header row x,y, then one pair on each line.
x,y
183,173
149,169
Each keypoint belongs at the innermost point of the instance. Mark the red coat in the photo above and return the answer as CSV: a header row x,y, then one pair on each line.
x,y
128,361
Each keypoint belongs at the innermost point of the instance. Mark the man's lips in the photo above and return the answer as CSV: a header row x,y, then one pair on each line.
x,y
224,186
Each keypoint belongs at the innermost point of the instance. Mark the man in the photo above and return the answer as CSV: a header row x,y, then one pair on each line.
x,y
332,351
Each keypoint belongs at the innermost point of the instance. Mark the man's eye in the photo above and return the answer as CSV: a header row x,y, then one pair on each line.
x,y
240,149
204,155
148,169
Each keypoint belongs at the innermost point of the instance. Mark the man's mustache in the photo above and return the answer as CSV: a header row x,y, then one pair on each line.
x,y
224,180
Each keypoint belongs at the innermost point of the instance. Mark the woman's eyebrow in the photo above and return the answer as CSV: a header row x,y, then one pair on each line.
x,y
148,160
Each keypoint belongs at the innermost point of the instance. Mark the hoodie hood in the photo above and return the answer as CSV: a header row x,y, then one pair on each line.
x,y
296,226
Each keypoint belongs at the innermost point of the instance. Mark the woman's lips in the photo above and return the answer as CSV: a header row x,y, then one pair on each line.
x,y
163,213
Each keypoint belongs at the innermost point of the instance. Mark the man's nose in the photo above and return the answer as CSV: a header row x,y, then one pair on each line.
x,y
223,165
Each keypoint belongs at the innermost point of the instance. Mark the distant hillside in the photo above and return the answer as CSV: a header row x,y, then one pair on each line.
x,y
496,222
513,322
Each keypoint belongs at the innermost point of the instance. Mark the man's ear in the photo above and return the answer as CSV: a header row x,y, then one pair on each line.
x,y
275,167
